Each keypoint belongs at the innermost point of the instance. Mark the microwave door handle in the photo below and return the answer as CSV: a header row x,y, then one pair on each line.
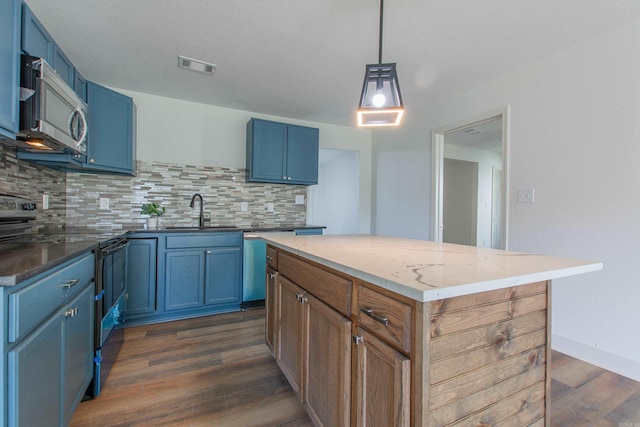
x,y
82,121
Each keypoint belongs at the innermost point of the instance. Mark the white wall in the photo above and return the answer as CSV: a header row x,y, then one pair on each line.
x,y
575,132
334,201
182,132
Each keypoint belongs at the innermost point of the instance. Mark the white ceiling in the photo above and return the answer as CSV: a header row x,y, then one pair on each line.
x,y
305,59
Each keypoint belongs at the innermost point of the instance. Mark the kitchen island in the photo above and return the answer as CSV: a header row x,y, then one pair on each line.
x,y
373,330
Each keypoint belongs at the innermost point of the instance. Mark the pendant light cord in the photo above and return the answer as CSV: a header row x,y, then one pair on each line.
x,y
380,41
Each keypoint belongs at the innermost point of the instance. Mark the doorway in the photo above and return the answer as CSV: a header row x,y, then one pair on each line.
x,y
334,202
469,197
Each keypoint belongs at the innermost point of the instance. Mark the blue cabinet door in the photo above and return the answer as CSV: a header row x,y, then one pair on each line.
x,y
184,279
266,150
302,154
223,284
9,67
110,143
79,85
141,276
78,351
36,40
35,380
62,65
282,153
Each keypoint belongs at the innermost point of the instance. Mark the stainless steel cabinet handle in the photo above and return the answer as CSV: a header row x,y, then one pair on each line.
x,y
272,276
70,283
369,312
92,160
269,258
289,178
208,252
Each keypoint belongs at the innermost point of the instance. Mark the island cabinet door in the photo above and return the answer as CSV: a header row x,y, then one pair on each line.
x,y
271,304
327,381
290,333
381,384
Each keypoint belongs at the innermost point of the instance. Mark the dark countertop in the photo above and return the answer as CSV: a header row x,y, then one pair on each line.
x,y
22,261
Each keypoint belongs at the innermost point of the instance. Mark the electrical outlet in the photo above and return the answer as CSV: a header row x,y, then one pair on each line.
x,y
270,207
104,203
45,201
299,200
244,206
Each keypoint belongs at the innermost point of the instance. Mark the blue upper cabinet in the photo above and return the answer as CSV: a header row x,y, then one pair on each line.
x,y
282,153
302,154
80,85
63,65
111,136
9,67
266,148
36,40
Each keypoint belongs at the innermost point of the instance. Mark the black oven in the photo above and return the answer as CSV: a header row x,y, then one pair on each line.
x,y
111,271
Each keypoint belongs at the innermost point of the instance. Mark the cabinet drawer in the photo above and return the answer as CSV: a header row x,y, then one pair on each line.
x,y
272,257
29,306
331,289
204,240
389,318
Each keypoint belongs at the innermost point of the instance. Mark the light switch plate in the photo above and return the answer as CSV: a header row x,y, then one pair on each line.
x,y
244,206
104,203
45,201
270,207
526,195
299,200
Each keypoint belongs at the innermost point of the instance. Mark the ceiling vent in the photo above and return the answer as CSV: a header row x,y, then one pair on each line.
x,y
473,131
196,65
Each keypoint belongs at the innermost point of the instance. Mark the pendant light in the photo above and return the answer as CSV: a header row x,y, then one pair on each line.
x,y
380,102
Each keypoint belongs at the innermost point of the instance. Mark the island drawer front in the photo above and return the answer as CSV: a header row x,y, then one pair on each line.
x,y
374,308
29,306
333,290
205,240
272,257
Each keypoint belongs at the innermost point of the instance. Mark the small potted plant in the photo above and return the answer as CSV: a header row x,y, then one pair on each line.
x,y
154,210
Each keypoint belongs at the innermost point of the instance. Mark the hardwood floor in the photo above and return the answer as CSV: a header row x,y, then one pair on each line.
x,y
217,371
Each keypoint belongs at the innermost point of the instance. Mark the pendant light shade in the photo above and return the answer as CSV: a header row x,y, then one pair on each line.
x,y
380,102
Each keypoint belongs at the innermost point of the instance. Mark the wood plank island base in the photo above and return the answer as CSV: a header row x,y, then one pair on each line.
x,y
373,330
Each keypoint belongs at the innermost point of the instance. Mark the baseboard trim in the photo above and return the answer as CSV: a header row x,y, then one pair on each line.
x,y
610,361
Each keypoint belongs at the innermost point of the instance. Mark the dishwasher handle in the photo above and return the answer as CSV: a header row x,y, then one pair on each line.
x,y
121,244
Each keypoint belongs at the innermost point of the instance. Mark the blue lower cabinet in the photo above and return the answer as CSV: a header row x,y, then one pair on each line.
x,y
34,377
78,351
223,276
179,275
142,255
49,365
184,279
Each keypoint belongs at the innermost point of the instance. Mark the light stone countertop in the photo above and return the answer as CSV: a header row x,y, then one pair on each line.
x,y
425,270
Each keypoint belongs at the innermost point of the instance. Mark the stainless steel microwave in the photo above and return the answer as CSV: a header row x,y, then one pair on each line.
x,y
52,117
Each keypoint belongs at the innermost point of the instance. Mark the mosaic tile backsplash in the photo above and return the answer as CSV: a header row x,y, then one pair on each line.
x,y
25,179
172,185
